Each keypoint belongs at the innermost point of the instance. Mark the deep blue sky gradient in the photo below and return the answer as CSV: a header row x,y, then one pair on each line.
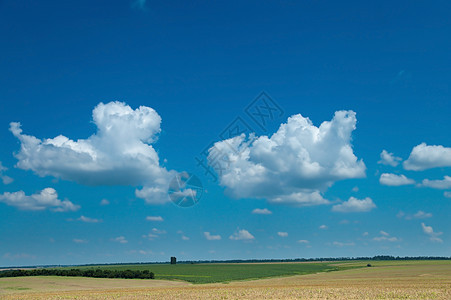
x,y
199,65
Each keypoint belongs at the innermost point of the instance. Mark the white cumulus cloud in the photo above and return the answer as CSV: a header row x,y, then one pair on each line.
x,y
293,166
425,157
46,199
389,159
433,236
120,152
438,184
447,194
395,180
211,237
262,211
355,205
242,234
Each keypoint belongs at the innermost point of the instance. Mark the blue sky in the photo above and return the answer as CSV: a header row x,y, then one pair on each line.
x,y
103,104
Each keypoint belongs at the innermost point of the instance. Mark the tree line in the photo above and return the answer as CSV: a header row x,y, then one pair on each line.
x,y
97,273
319,259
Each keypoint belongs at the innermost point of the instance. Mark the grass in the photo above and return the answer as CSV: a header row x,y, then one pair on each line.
x,y
212,273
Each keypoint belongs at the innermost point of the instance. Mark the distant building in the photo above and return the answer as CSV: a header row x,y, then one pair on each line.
x,y
173,260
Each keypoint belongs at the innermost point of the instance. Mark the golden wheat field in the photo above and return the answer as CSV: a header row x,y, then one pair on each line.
x,y
396,280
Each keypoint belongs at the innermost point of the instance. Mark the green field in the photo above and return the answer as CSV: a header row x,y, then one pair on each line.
x,y
218,272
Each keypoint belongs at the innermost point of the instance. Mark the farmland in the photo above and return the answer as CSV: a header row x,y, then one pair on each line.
x,y
226,272
385,280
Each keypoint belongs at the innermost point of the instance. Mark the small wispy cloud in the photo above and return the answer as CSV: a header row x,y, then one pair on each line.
x,y
433,236
443,184
158,231
211,237
80,241
385,237
5,179
341,244
389,159
242,234
355,205
282,234
184,237
155,233
154,218
21,256
104,202
45,199
262,211
401,77
150,236
89,220
323,227
418,215
303,242
120,239
395,180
